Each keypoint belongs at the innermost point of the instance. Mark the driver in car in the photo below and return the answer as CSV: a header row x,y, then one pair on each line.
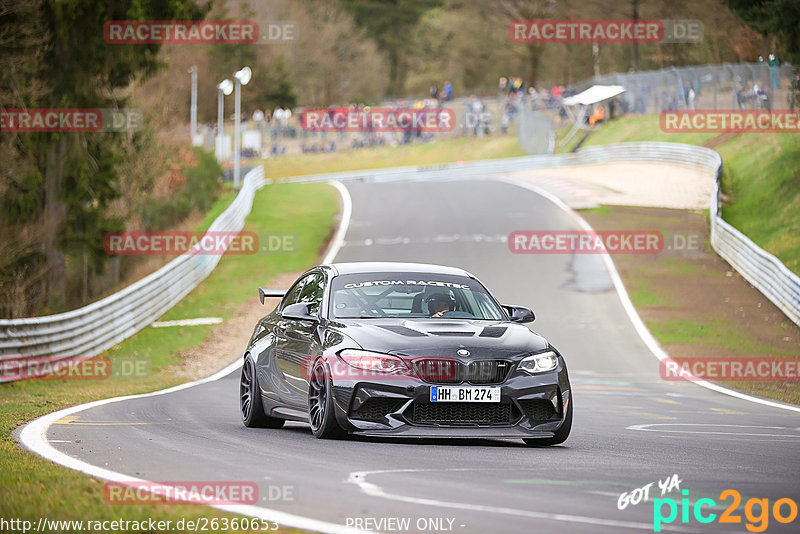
x,y
439,304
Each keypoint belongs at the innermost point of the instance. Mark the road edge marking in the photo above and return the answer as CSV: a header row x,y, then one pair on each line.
x,y
344,223
644,333
33,434
359,478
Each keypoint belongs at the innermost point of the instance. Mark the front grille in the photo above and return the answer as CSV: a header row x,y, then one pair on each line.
x,y
376,408
463,413
538,409
450,371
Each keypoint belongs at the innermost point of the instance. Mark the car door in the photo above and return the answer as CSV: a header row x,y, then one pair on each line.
x,y
297,341
270,359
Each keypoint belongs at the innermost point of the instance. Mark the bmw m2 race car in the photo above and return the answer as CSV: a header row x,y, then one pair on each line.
x,y
405,350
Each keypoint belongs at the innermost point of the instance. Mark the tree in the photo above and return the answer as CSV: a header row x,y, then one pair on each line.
x,y
332,59
271,84
72,177
389,23
503,12
778,18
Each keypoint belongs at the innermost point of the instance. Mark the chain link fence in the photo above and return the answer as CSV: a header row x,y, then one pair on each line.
x,y
742,86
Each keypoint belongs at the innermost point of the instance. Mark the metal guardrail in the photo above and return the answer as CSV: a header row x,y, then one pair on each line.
x,y
94,328
760,268
90,330
757,266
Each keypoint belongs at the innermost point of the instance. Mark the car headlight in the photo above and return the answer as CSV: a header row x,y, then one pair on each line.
x,y
374,361
539,363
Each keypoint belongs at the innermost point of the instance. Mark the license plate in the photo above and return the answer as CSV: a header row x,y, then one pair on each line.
x,y
464,394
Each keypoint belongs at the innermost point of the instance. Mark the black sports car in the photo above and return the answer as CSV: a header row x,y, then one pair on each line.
x,y
406,350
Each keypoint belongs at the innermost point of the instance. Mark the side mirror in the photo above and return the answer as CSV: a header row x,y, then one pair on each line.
x,y
298,311
520,314
269,293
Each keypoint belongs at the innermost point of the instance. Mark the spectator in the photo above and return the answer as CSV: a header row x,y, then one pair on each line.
x,y
773,71
278,116
740,99
533,95
597,116
448,91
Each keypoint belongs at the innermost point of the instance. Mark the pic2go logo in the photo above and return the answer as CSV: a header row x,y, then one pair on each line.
x,y
638,495
756,522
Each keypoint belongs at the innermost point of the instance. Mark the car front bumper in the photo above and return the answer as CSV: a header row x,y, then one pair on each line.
x,y
531,406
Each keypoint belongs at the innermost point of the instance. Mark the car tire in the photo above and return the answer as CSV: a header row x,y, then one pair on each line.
x,y
250,406
320,403
561,434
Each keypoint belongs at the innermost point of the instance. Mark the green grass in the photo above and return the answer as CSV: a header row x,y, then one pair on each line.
x,y
631,128
762,171
712,333
675,266
601,211
31,487
305,211
761,178
643,297
216,210
417,154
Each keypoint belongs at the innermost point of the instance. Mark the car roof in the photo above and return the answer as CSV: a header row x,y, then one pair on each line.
x,y
396,267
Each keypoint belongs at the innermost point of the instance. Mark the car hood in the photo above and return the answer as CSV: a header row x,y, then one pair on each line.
x,y
441,337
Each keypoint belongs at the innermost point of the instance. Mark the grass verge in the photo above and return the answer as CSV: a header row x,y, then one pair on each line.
x,y
694,304
761,172
416,154
31,487
761,178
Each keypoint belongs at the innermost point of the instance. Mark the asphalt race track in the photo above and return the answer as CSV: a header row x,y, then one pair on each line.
x,y
630,427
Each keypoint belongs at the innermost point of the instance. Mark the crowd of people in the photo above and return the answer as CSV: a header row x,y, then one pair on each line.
x,y
282,132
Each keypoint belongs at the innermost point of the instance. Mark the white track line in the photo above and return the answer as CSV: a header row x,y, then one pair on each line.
x,y
347,212
34,434
641,329
359,478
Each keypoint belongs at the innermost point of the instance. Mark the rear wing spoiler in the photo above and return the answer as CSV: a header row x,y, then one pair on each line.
x,y
267,293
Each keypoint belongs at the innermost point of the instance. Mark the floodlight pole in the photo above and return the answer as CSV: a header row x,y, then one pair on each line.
x,y
220,113
242,77
237,134
223,88
193,111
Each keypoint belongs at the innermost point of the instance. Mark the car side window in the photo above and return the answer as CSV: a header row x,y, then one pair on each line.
x,y
312,292
293,295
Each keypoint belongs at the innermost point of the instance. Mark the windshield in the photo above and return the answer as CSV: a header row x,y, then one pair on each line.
x,y
376,295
